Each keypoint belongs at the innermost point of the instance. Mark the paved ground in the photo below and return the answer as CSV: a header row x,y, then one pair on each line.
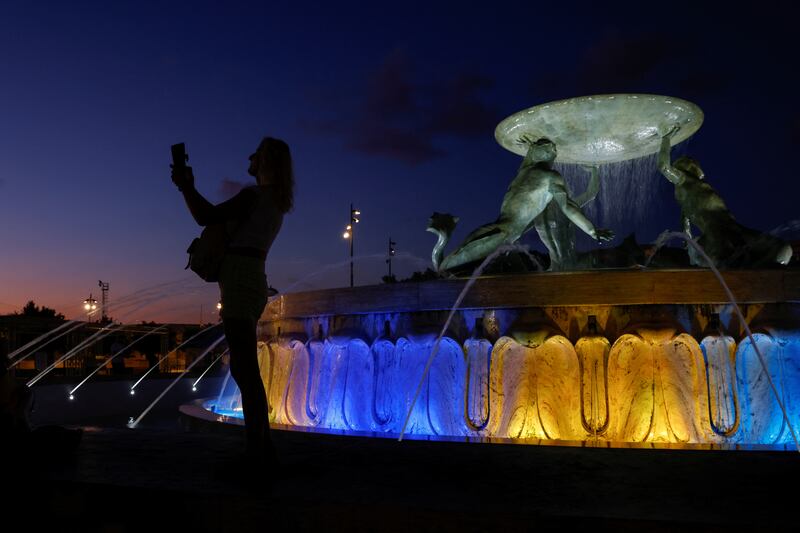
x,y
161,478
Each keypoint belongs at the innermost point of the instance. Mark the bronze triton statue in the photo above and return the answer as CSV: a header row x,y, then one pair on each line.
x,y
558,233
725,241
535,187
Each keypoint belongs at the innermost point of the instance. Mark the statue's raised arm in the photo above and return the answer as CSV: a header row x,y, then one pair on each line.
x,y
726,242
674,175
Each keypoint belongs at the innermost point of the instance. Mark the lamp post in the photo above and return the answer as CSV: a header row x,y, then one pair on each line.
x,y
349,233
391,254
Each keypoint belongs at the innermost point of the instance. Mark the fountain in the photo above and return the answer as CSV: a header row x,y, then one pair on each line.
x,y
606,357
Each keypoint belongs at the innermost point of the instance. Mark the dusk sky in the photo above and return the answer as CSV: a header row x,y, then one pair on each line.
x,y
391,106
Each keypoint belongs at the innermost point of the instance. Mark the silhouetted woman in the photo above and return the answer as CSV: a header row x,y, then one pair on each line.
x,y
253,218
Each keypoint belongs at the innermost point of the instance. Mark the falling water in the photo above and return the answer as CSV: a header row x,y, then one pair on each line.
x,y
627,189
631,193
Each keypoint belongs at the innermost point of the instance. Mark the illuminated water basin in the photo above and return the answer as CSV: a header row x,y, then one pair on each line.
x,y
616,358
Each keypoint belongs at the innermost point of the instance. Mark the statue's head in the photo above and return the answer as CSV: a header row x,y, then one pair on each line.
x,y
689,166
542,150
442,223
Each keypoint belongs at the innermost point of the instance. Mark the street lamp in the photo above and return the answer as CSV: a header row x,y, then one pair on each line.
x,y
349,233
90,305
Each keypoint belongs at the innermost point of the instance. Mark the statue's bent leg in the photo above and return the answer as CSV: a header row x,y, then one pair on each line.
x,y
481,243
763,249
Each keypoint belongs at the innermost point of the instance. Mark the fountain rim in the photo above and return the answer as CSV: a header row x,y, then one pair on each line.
x,y
544,290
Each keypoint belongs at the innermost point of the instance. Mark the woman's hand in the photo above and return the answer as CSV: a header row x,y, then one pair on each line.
x,y
182,177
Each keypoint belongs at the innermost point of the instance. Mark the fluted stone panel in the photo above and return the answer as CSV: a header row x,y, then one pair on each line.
x,y
652,384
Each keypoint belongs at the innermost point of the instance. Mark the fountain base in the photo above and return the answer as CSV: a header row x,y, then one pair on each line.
x,y
601,358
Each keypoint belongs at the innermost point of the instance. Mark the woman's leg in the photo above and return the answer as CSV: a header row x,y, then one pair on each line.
x,y
241,336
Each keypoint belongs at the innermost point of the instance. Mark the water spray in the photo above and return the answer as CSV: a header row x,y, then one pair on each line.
x,y
222,390
105,331
142,297
220,356
70,330
133,388
504,249
101,334
40,338
108,362
133,423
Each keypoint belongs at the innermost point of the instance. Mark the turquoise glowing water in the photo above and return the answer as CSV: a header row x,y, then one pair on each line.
x,y
211,406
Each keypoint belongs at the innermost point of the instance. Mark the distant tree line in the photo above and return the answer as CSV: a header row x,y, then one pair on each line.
x,y
31,309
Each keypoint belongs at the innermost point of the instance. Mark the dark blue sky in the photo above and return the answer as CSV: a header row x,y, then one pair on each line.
x,y
392,107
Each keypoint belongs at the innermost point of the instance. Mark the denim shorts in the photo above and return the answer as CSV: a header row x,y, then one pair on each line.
x,y
242,287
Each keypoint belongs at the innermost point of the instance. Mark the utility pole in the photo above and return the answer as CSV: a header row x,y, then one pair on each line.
x,y
104,309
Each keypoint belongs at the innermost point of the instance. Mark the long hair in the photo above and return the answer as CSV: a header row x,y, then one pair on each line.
x,y
274,154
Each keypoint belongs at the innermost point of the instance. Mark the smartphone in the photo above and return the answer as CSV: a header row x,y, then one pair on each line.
x,y
179,155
